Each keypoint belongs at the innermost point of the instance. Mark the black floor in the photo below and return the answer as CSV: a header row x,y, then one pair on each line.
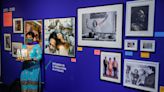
x,y
4,88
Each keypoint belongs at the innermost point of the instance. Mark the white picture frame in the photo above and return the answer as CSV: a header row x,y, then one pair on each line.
x,y
32,25
141,75
130,44
17,25
147,45
108,34
15,46
68,34
7,42
109,72
140,18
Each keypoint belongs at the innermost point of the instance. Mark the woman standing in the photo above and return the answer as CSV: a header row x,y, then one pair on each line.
x,y
31,73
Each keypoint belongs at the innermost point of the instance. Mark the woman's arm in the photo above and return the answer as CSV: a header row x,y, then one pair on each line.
x,y
39,53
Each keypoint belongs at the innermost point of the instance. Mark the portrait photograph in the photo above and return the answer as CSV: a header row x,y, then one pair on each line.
x,y
141,75
15,47
100,26
140,18
131,44
110,67
147,45
17,25
59,36
34,26
7,42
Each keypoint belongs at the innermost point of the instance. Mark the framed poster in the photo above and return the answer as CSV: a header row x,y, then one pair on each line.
x,y
147,45
15,46
34,26
140,18
141,75
18,25
7,42
100,26
110,66
59,36
131,44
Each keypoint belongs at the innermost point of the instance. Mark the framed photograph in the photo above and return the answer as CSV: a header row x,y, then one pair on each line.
x,y
140,18
110,66
34,26
147,45
59,36
15,46
7,42
141,75
100,26
131,45
18,25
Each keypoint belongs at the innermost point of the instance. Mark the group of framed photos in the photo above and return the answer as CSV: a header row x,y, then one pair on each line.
x,y
138,74
100,26
145,45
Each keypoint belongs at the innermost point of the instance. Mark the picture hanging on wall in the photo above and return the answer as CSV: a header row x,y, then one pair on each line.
x,y
131,45
34,26
7,42
59,36
15,46
100,26
141,75
110,67
18,25
147,45
140,18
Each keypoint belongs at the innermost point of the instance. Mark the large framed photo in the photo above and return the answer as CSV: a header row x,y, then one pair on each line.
x,y
7,42
100,26
131,45
34,26
110,66
140,18
15,46
18,25
141,75
147,45
59,36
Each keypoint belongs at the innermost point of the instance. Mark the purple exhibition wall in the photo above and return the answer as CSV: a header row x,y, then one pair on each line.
x,y
82,76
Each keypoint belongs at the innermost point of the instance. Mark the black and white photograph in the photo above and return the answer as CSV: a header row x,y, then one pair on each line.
x,y
147,45
141,75
100,26
7,42
15,47
131,44
60,36
17,25
140,18
110,67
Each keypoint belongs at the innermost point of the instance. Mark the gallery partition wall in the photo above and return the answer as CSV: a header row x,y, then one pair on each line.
x,y
88,45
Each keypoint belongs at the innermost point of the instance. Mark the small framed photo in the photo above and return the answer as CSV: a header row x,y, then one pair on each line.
x,y
18,25
110,67
15,47
100,26
140,18
7,42
147,45
34,26
131,45
141,75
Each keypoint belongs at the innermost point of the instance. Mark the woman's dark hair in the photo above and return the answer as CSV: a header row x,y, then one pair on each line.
x,y
31,33
53,35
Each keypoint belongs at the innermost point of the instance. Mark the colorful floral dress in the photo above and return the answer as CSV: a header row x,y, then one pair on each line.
x,y
31,74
